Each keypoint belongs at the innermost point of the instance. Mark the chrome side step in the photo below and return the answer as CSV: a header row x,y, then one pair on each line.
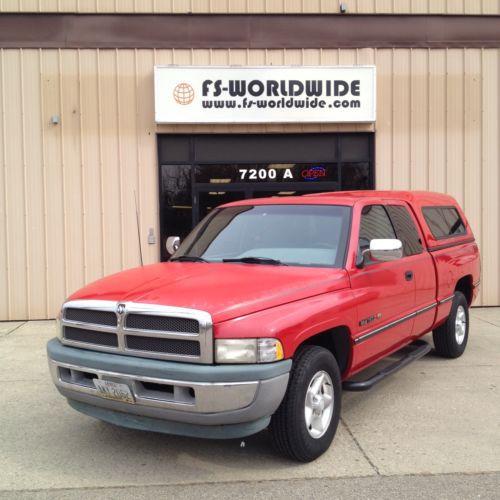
x,y
419,348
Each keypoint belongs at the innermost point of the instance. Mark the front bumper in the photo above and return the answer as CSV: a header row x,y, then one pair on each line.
x,y
177,398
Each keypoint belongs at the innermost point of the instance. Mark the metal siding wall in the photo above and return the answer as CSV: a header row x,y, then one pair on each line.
x,y
35,176
401,118
15,246
67,210
490,230
467,7
90,124
472,157
4,255
55,218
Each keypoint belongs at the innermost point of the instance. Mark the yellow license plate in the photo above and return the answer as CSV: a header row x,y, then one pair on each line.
x,y
113,390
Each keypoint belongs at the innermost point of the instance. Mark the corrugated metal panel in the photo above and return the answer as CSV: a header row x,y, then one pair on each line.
x,y
419,119
487,7
383,136
4,254
401,119
490,176
93,238
35,176
437,119
455,123
67,209
55,218
15,168
472,203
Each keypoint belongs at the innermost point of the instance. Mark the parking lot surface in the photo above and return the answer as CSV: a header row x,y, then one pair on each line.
x,y
430,430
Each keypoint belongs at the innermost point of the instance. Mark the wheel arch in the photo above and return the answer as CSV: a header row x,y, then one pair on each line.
x,y
464,285
338,341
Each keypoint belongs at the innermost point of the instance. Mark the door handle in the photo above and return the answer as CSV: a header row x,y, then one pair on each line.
x,y
408,275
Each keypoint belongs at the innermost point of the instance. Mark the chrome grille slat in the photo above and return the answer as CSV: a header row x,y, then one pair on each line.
x,y
144,330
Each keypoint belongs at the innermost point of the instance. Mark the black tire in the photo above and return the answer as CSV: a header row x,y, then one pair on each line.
x,y
289,430
449,340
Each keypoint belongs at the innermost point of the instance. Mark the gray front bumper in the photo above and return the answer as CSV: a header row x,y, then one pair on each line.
x,y
197,400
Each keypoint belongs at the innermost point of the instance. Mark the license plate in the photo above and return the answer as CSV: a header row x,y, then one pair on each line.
x,y
113,390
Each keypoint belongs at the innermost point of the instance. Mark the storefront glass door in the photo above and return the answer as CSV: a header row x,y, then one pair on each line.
x,y
191,188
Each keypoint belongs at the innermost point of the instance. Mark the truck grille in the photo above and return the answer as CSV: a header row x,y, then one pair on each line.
x,y
162,323
106,318
174,346
144,330
90,336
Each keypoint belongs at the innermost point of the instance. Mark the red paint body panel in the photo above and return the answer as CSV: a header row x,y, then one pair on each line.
x,y
296,303
225,291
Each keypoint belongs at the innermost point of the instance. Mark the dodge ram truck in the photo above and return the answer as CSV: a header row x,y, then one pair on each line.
x,y
266,311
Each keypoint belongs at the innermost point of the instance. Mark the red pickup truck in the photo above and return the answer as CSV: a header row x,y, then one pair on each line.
x,y
266,311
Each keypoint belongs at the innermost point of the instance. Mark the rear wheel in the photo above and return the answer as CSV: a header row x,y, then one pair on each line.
x,y
450,339
304,425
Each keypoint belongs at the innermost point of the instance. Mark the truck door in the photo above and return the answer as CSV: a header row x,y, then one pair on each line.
x,y
419,262
385,291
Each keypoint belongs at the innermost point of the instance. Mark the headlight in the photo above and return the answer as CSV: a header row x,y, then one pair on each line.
x,y
248,350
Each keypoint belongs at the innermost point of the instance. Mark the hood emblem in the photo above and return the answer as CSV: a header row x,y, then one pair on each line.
x,y
120,309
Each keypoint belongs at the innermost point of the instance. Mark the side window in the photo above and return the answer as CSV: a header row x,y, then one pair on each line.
x,y
375,224
405,229
444,222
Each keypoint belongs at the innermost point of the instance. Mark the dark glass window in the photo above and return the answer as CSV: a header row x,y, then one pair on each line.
x,y
375,224
355,176
201,171
354,147
262,173
444,222
177,201
406,230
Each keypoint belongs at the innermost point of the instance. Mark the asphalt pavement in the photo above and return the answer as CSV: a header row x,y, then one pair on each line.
x,y
432,430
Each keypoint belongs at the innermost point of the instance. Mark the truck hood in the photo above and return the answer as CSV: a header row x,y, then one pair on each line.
x,y
226,291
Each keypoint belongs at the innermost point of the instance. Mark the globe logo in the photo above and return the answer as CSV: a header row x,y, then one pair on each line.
x,y
183,94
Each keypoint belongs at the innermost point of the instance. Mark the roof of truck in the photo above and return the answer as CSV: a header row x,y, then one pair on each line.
x,y
417,199
421,198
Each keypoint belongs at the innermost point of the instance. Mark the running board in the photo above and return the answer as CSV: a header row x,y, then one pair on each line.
x,y
419,348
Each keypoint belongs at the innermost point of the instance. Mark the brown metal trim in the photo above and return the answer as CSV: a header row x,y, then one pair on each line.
x,y
246,31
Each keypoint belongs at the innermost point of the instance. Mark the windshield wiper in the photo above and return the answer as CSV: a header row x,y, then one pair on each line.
x,y
188,258
256,260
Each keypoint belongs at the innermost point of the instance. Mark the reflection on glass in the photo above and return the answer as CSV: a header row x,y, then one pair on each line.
x,y
207,201
176,200
355,176
355,147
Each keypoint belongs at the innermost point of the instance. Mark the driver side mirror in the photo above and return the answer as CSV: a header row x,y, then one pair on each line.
x,y
386,250
381,250
172,244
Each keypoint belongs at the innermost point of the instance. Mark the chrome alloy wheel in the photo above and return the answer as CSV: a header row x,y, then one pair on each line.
x,y
318,408
460,325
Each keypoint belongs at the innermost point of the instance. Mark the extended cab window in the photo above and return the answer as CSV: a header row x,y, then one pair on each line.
x,y
444,222
375,224
406,230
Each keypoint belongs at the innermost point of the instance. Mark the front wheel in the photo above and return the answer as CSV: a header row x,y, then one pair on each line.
x,y
450,339
304,425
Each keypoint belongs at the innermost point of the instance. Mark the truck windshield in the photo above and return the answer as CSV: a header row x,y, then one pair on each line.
x,y
293,235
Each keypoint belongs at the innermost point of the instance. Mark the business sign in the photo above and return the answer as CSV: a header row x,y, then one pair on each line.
x,y
271,94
